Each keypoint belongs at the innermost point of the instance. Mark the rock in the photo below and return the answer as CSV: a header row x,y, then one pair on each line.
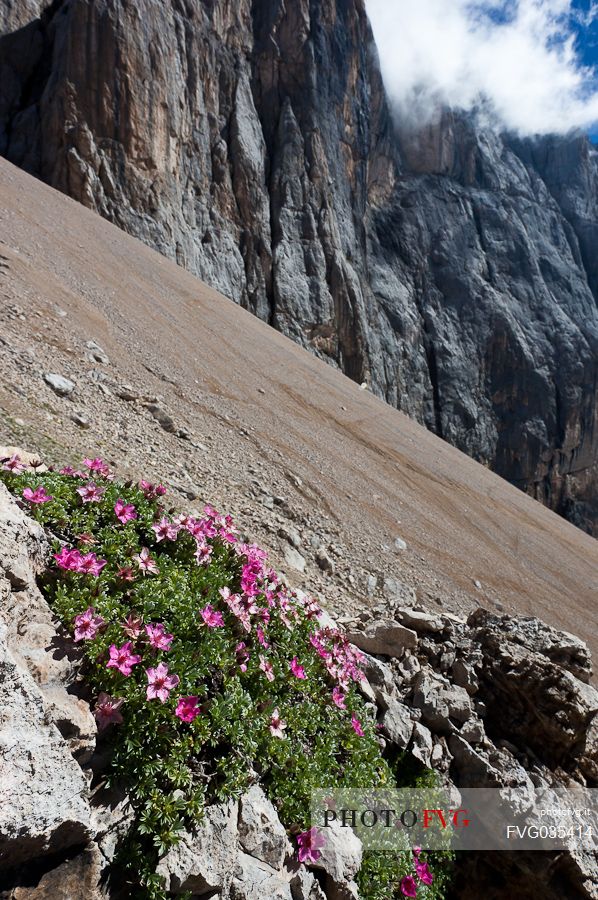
x,y
385,638
62,386
81,420
341,855
261,833
371,583
460,216
560,647
43,805
96,354
397,723
291,535
127,393
163,419
254,880
400,544
421,744
294,559
304,886
464,675
397,592
441,703
78,877
419,621
203,861
324,562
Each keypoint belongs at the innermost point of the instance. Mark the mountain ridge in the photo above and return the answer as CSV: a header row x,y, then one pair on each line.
x,y
451,269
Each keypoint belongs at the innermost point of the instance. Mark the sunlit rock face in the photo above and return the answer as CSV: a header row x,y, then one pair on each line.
x,y
452,268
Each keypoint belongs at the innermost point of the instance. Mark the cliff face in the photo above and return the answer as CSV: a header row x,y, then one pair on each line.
x,y
452,269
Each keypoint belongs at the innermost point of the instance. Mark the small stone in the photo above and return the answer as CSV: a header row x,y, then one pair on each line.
x,y
162,418
294,559
400,544
81,420
62,386
324,562
291,535
96,354
127,393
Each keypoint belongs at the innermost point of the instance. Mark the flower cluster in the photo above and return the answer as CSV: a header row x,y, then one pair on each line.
x,y
208,671
422,874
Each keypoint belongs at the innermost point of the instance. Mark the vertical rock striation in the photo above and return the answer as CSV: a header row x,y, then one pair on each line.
x,y
453,269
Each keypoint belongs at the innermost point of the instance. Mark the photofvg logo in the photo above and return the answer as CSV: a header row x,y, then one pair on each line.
x,y
470,819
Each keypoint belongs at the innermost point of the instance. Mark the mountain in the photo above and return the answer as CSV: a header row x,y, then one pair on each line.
x,y
453,269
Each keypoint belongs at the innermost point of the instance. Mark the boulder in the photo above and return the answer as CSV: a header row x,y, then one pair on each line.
x,y
442,704
397,723
62,386
43,792
384,637
261,832
341,855
418,620
204,860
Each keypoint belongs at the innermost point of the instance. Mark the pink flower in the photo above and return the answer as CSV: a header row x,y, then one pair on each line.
x,y
338,695
68,559
87,625
160,683
187,709
152,491
165,530
423,872
132,626
212,618
13,464
297,670
125,574
122,659
91,565
98,465
417,852
262,637
39,495
310,843
90,493
267,668
408,886
277,725
242,656
107,711
145,562
356,726
203,553
158,638
125,512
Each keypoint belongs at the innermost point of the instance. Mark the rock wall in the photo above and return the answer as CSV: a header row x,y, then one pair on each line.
x,y
452,269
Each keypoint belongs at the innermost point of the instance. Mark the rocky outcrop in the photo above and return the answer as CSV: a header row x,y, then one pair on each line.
x,y
494,701
452,269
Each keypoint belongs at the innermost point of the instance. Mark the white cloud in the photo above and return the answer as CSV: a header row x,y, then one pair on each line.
x,y
517,57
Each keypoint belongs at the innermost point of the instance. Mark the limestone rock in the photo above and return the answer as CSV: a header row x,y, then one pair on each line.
x,y
384,637
62,386
261,832
202,861
43,792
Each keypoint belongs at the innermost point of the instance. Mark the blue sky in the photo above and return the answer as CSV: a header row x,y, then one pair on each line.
x,y
532,64
587,43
